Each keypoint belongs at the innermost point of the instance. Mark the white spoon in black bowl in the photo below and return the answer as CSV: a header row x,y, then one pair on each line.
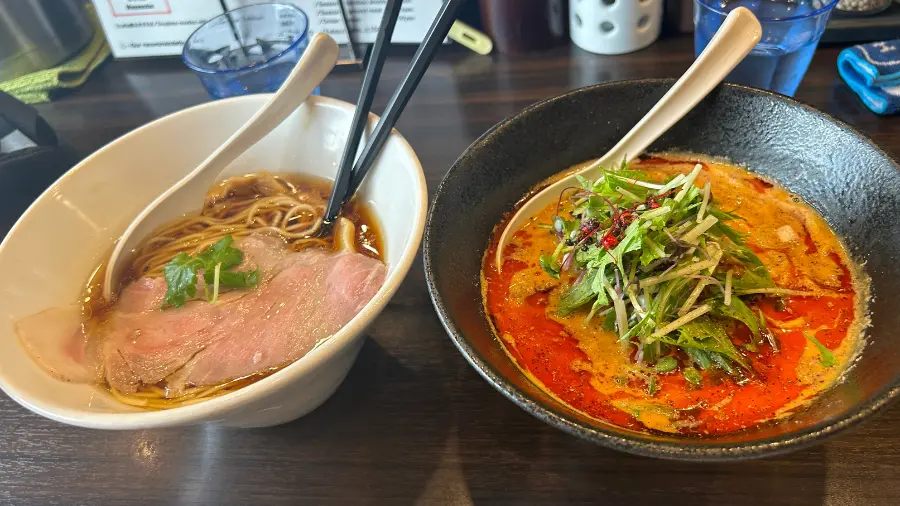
x,y
733,41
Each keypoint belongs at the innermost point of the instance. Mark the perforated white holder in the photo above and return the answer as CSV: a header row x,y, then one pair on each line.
x,y
614,26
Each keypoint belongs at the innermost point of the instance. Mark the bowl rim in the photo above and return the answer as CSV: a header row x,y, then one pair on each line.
x,y
637,443
823,10
307,364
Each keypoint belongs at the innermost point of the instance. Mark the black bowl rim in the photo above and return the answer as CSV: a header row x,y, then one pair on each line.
x,y
636,443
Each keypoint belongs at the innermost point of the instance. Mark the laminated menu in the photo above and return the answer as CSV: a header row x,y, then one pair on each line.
x,y
139,28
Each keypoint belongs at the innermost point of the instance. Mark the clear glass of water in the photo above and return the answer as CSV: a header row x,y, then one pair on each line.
x,y
247,50
791,32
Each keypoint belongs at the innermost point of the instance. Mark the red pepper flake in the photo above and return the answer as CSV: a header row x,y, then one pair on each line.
x,y
654,204
609,241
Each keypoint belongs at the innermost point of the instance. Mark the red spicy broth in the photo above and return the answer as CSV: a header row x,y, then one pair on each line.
x,y
586,367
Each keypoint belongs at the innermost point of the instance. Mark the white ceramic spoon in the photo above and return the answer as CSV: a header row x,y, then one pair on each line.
x,y
736,37
187,195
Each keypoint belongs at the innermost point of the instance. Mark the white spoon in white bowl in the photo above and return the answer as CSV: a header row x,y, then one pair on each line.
x,y
317,61
739,33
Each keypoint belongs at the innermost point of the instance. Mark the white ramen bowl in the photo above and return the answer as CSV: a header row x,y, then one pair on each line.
x,y
50,252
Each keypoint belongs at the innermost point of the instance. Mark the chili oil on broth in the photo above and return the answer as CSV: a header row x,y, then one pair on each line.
x,y
308,189
586,368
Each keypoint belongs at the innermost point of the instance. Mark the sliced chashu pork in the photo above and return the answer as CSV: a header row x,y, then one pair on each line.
x,y
303,297
60,342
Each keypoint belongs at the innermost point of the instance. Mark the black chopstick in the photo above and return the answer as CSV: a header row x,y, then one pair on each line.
x,y
346,183
339,192
351,44
417,67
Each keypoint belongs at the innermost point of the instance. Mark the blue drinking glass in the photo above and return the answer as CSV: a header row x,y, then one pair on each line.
x,y
791,32
247,50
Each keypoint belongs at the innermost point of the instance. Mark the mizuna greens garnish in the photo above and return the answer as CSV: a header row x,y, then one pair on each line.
x,y
215,261
661,266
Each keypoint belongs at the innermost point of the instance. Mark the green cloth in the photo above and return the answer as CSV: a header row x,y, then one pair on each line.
x,y
38,86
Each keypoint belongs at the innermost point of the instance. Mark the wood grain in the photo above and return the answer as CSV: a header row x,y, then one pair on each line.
x,y
413,423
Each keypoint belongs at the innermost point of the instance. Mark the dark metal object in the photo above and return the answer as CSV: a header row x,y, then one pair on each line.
x,y
835,168
38,34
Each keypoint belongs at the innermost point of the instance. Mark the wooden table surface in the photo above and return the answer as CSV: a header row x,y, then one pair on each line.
x,y
413,423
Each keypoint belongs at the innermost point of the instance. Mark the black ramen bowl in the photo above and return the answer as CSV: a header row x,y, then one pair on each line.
x,y
848,179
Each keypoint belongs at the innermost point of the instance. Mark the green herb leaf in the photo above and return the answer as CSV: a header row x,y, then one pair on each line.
x,y
751,279
221,253
564,227
707,334
722,362
700,357
632,241
827,357
181,279
246,279
755,275
652,250
601,273
651,352
577,295
585,183
693,376
549,265
181,273
666,364
738,311
724,215
609,323
722,230
633,254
